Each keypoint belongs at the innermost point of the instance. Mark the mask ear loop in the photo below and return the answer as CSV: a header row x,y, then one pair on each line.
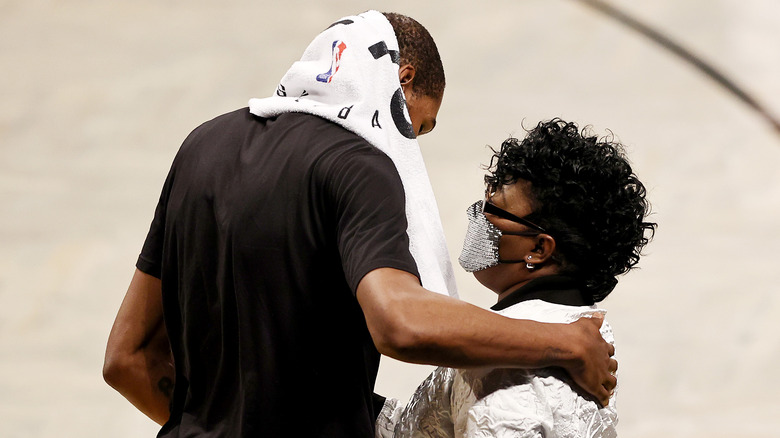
x,y
528,264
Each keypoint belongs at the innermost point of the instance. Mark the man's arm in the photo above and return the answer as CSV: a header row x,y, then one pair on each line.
x,y
138,360
412,324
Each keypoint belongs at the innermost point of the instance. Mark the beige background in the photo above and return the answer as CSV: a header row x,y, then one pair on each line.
x,y
97,96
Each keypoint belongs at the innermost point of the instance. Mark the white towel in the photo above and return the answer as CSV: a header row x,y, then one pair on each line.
x,y
349,75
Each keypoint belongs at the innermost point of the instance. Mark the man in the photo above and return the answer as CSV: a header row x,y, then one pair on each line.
x,y
287,253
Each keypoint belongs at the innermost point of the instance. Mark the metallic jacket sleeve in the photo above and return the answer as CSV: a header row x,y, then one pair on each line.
x,y
481,403
429,412
388,418
544,406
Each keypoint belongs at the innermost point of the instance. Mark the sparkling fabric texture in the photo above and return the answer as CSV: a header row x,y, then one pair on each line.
x,y
480,246
490,402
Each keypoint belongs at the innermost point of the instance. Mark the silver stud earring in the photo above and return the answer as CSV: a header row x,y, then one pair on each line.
x,y
529,265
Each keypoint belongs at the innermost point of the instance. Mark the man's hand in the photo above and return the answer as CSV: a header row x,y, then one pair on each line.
x,y
593,367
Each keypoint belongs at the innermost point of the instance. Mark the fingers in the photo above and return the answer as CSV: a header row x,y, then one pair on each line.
x,y
613,366
590,373
603,396
606,391
610,383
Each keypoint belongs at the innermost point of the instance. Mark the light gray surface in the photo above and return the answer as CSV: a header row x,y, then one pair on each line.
x,y
97,96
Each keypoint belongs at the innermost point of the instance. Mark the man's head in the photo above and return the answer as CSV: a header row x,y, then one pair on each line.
x,y
581,191
421,72
418,49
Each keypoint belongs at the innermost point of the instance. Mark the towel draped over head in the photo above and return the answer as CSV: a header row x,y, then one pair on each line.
x,y
349,76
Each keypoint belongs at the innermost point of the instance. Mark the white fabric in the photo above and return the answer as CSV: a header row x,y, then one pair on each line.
x,y
505,402
347,75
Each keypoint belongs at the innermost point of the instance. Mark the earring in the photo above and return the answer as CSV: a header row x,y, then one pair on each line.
x,y
530,265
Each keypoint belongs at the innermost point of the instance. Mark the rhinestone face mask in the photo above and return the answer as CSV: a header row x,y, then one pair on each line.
x,y
480,246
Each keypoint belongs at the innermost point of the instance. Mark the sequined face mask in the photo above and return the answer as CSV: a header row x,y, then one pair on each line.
x,y
480,246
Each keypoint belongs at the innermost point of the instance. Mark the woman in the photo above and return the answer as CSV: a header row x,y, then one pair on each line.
x,y
563,215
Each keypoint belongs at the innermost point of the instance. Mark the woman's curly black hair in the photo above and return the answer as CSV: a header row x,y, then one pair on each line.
x,y
585,195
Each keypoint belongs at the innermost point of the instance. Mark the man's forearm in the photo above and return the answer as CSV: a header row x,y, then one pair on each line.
x,y
145,378
412,324
138,360
438,330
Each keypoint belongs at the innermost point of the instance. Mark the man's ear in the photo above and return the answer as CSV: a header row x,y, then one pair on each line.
x,y
406,75
544,249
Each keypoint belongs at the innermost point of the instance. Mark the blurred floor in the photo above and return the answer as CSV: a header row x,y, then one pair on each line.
x,y
97,96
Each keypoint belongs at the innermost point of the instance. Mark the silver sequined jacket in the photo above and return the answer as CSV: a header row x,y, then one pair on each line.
x,y
503,402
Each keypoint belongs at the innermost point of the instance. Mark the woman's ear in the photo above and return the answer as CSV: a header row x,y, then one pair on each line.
x,y
544,249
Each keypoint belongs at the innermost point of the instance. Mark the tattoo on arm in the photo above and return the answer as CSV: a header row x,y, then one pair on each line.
x,y
165,385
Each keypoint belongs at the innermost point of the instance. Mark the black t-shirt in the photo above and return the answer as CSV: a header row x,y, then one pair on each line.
x,y
263,231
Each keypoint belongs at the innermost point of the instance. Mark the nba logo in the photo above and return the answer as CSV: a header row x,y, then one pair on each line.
x,y
337,50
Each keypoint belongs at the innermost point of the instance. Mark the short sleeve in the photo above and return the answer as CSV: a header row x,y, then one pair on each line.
x,y
368,198
150,259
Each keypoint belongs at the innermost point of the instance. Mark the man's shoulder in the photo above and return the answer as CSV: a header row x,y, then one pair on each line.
x,y
302,124
331,142
321,129
308,137
241,115
223,125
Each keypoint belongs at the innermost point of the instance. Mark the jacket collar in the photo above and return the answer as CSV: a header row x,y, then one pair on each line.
x,y
556,289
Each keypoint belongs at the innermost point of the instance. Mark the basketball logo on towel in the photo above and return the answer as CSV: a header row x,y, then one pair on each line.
x,y
336,51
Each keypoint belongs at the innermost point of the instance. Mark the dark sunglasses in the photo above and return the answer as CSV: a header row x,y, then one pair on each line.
x,y
489,207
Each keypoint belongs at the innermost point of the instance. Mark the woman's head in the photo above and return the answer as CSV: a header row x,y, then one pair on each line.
x,y
582,191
